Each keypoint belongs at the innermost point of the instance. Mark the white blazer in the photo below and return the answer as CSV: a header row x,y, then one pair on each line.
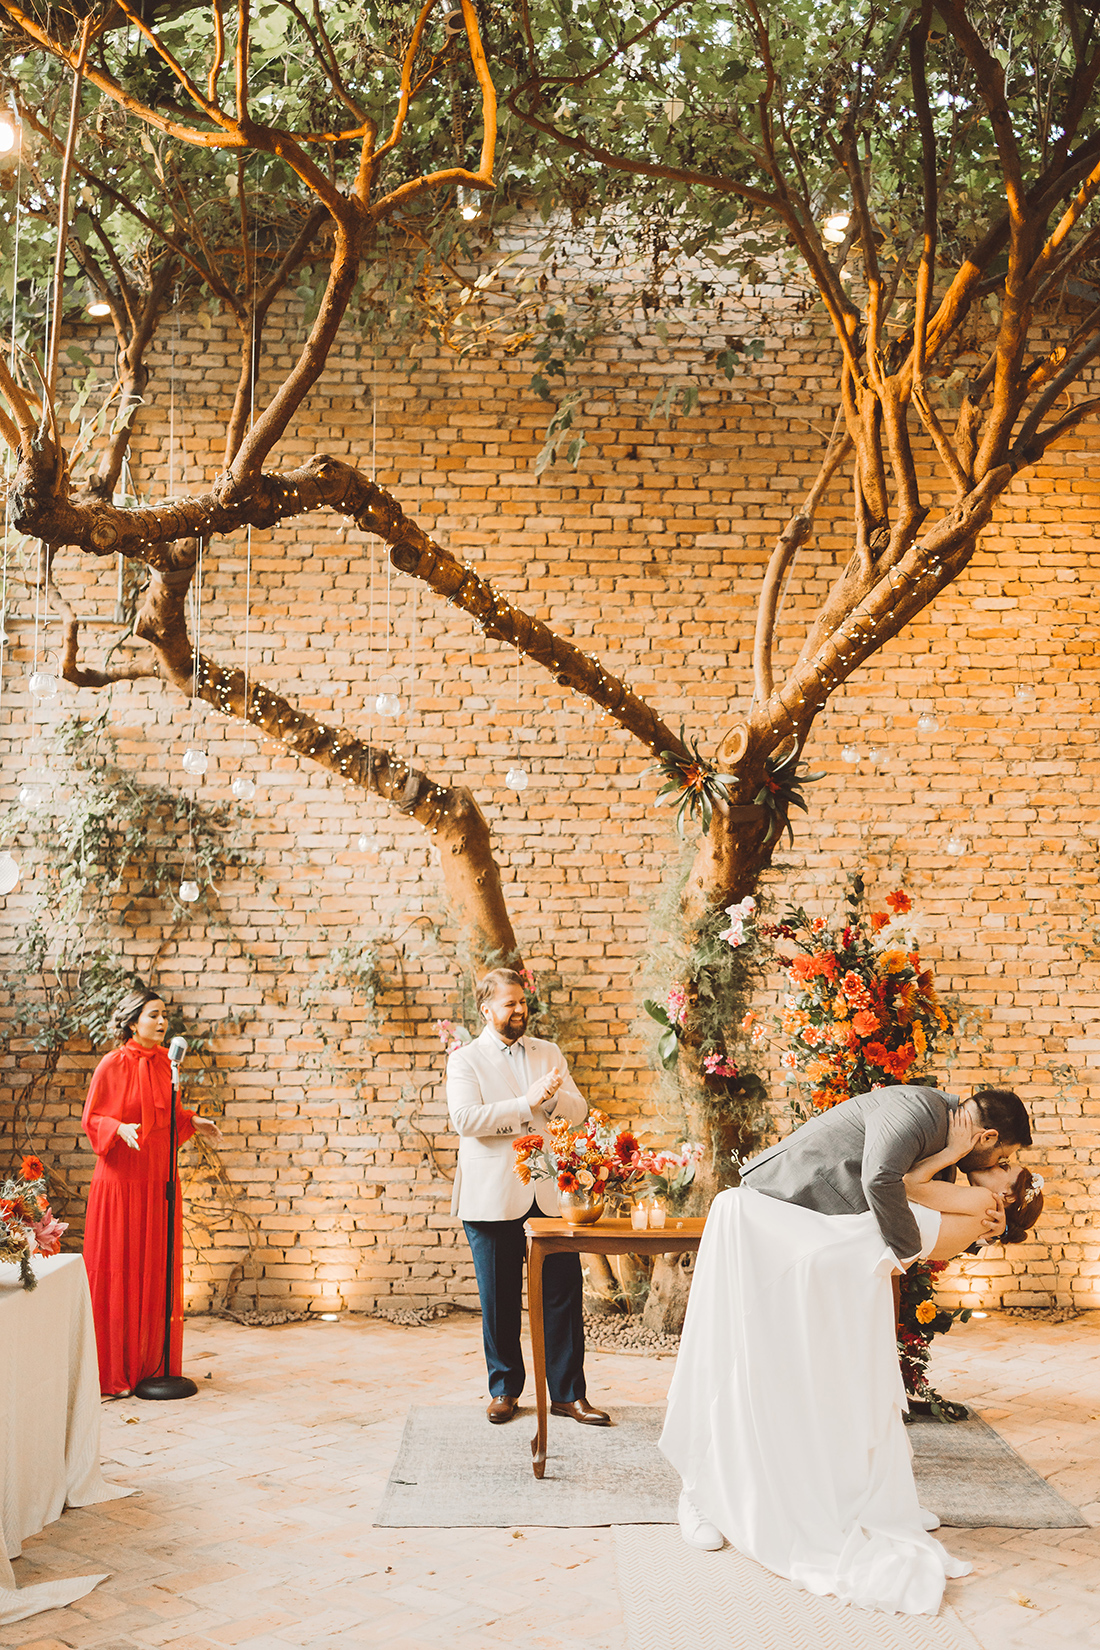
x,y
488,1110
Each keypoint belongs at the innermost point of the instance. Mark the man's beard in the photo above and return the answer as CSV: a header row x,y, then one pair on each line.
x,y
979,1160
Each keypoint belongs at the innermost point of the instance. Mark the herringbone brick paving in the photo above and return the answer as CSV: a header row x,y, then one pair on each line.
x,y
253,1527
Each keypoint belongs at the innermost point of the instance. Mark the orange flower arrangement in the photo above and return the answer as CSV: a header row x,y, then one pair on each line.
x,y
862,1012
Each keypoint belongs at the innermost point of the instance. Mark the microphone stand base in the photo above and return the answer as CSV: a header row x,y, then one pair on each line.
x,y
165,1386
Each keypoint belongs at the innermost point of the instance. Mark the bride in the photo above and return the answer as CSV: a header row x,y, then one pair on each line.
x,y
785,1412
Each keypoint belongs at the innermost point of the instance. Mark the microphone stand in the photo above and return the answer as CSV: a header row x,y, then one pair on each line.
x,y
165,1385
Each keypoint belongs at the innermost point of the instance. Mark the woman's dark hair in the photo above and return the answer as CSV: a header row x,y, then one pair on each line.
x,y
1023,1206
1004,1111
129,1009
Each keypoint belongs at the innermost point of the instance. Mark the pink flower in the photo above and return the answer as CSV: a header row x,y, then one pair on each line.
x,y
676,1004
718,1065
735,934
47,1235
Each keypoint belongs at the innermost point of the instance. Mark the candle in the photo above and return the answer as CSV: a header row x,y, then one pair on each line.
x,y
656,1216
639,1217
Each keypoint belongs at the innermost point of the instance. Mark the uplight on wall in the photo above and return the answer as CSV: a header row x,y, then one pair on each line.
x,y
97,307
835,227
469,205
9,136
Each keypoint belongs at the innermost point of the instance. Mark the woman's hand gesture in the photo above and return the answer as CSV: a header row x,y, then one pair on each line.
x,y
128,1132
962,1134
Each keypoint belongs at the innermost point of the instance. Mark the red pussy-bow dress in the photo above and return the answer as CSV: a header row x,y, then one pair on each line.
x,y
126,1228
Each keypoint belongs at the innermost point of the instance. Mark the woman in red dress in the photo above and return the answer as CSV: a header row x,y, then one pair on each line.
x,y
127,1117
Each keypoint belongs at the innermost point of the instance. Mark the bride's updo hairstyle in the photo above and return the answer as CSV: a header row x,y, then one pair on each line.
x,y
1023,1206
126,1015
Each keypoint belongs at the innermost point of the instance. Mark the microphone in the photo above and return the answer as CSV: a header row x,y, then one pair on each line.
x,y
177,1048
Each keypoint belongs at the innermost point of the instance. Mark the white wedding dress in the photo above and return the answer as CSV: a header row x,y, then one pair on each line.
x,y
785,1410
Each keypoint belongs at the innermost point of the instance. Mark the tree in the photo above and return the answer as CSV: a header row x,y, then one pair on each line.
x,y
931,170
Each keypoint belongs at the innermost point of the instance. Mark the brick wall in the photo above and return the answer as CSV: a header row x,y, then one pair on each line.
x,y
337,1153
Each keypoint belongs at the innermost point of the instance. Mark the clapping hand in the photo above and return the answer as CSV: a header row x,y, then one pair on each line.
x,y
129,1133
544,1092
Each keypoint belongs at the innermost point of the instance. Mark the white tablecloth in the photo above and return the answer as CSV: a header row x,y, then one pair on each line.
x,y
49,1421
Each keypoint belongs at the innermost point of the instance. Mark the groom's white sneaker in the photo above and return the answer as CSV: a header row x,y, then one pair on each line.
x,y
696,1530
928,1519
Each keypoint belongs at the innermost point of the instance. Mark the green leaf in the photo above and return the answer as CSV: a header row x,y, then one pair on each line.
x,y
655,1011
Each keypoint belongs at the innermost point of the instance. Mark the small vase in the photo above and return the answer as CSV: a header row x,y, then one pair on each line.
x,y
580,1208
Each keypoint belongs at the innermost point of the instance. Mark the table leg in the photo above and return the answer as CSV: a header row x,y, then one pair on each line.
x,y
538,1349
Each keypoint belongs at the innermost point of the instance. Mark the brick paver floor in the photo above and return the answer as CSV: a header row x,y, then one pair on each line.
x,y
253,1527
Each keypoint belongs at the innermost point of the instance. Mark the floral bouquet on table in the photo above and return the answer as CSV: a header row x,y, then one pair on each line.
x,y
863,1012
580,1158
27,1226
661,1173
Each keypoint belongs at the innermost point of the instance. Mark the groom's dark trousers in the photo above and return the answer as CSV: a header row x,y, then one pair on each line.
x,y
499,1248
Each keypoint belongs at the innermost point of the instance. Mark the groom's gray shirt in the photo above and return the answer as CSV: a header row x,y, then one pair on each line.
x,y
853,1157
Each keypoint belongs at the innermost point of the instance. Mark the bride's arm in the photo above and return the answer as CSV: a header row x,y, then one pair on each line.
x,y
947,1196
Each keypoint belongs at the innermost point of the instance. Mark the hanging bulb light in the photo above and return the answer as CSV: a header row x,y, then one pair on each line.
x,y
9,872
189,891
195,761
43,684
243,788
516,778
928,723
850,753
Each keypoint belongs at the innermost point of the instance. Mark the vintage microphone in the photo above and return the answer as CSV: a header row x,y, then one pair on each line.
x,y
165,1385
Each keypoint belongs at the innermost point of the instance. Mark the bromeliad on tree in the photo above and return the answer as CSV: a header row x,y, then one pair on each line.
x,y
782,791
693,783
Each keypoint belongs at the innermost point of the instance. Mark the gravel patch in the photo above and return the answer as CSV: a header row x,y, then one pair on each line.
x,y
627,1334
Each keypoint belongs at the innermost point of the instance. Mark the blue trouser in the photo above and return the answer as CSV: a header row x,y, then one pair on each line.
x,y
499,1249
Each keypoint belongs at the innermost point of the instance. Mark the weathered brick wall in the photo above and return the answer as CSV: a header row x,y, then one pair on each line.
x,y
336,1154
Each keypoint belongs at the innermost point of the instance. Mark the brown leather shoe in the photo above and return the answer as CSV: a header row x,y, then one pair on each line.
x,y
581,1410
502,1409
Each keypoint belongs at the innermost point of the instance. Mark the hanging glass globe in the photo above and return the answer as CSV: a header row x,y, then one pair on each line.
x,y
243,788
516,778
189,893
928,723
1025,696
195,761
388,704
43,684
956,844
363,843
35,789
9,872
875,754
850,753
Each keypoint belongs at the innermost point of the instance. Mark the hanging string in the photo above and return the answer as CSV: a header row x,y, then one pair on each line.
x,y
10,459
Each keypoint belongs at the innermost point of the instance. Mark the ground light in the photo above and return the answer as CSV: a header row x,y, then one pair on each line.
x,y
330,1317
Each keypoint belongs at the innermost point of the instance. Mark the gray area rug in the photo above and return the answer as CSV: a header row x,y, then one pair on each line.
x,y
454,1470
974,1480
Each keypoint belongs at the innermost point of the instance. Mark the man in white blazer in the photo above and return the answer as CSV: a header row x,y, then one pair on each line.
x,y
499,1087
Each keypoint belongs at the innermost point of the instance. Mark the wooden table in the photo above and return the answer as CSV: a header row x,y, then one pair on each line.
x,y
603,1237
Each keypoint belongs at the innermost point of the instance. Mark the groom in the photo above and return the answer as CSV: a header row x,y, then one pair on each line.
x,y
854,1157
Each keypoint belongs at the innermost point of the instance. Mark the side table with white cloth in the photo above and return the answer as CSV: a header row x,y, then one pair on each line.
x,y
49,1421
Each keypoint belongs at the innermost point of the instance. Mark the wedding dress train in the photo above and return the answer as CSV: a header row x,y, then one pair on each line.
x,y
785,1410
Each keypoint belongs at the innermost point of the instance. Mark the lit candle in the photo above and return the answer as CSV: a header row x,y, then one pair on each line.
x,y
639,1217
656,1216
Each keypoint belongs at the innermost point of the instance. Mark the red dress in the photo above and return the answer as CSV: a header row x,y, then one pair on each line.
x,y
126,1228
